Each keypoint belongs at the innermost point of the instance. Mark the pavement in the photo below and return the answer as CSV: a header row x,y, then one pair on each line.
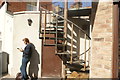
x,y
7,77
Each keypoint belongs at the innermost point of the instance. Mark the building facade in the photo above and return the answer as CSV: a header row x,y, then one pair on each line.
x,y
91,36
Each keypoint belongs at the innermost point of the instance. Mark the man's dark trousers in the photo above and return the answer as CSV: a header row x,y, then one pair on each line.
x,y
23,68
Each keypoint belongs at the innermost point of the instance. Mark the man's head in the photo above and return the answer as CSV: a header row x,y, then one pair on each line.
x,y
26,40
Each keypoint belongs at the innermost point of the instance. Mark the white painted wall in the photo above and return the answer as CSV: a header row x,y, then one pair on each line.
x,y
7,46
0,41
14,29
2,20
2,17
6,24
21,29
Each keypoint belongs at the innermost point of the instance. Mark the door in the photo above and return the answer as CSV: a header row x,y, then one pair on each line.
x,y
51,63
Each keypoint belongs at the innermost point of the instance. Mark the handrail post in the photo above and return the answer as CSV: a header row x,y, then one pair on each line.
x,y
85,54
50,19
71,52
65,22
89,55
40,20
65,17
45,27
56,34
79,45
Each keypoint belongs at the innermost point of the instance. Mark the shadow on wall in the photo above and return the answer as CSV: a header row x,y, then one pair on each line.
x,y
34,61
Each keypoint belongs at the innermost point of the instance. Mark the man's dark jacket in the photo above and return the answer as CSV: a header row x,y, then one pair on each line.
x,y
28,50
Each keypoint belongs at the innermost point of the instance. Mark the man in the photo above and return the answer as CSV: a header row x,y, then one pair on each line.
x,y
26,58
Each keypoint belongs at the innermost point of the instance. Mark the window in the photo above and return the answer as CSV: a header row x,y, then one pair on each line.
x,y
31,6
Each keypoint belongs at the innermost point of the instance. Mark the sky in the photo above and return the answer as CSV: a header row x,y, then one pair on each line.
x,y
84,3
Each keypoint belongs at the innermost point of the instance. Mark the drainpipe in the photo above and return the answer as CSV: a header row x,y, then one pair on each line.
x,y
37,5
65,17
115,40
65,35
40,22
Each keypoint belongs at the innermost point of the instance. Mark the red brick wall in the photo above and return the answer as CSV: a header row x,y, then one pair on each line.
x,y
21,6
1,1
16,6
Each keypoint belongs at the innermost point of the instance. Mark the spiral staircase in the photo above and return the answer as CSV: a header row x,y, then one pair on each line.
x,y
57,31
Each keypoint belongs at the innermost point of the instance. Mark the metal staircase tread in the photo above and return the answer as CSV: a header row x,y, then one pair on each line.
x,y
58,18
49,44
67,69
51,32
79,62
52,38
52,44
55,27
64,53
68,74
59,21
54,22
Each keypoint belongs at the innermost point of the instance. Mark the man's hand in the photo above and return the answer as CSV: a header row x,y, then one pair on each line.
x,y
21,50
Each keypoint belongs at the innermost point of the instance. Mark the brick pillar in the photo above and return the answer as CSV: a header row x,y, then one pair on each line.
x,y
102,40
